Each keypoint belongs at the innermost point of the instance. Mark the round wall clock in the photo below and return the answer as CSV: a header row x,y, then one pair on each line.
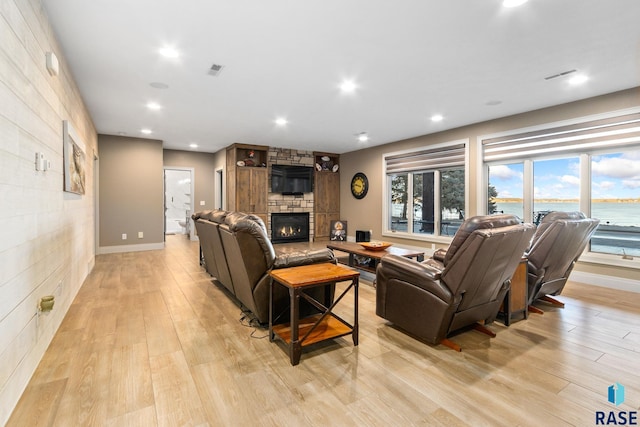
x,y
359,185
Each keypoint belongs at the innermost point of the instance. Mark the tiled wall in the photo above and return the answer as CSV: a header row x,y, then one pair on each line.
x,y
48,236
288,203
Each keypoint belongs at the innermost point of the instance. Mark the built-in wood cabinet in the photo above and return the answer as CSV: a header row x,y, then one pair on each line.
x,y
247,179
326,193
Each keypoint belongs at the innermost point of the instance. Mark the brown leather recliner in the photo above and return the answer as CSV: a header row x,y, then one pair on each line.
x,y
559,241
238,253
212,253
456,288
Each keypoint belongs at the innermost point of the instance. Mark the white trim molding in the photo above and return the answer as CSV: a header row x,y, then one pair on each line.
x,y
130,248
604,281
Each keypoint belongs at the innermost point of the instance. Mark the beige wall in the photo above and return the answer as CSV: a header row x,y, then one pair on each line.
x,y
204,170
131,195
366,214
47,245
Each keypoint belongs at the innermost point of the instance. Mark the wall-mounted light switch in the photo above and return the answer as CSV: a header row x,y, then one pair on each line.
x,y
41,162
202,203
124,236
140,235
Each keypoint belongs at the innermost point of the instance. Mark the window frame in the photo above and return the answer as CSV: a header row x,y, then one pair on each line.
x,y
386,193
585,193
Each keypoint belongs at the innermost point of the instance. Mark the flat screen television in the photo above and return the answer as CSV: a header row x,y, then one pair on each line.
x,y
291,179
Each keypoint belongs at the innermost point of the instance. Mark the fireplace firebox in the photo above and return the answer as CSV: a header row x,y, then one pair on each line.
x,y
290,227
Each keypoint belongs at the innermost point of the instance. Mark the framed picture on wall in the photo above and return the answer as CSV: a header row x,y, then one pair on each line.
x,y
338,231
74,160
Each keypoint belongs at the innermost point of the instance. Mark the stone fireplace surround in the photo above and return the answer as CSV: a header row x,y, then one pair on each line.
x,y
279,203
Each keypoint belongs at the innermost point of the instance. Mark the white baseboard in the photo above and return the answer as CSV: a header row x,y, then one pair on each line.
x,y
611,282
130,248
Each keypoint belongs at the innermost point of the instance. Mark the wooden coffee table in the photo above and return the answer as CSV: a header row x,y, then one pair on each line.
x,y
320,327
354,249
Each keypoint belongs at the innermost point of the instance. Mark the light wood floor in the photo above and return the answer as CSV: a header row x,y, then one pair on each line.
x,y
149,340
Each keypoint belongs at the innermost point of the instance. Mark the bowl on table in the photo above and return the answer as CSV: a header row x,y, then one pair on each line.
x,y
375,246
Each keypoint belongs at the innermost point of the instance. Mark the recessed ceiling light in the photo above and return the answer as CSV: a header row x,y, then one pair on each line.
x,y
122,133
437,118
363,137
169,52
193,145
348,86
513,3
153,106
578,79
493,102
159,85
146,131
281,121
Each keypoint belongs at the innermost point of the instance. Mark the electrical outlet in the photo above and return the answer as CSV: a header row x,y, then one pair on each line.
x,y
124,236
140,235
202,203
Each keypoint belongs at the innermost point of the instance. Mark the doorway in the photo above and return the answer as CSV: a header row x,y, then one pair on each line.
x,y
178,201
219,189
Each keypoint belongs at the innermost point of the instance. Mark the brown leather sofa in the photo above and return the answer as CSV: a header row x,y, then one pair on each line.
x,y
236,250
457,287
560,239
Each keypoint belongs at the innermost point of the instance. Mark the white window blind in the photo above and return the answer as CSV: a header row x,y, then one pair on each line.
x,y
426,159
583,137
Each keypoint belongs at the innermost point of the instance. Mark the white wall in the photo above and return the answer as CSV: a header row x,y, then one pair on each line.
x,y
48,238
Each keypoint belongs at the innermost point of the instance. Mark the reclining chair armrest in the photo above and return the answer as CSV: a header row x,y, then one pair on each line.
x,y
439,254
304,257
421,275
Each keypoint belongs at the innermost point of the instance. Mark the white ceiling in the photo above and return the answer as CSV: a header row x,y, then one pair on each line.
x,y
285,58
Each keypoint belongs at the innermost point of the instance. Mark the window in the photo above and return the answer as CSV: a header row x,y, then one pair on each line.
x,y
425,191
556,186
506,191
615,186
398,212
591,166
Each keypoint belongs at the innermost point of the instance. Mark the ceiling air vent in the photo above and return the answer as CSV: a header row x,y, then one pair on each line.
x,y
562,74
215,70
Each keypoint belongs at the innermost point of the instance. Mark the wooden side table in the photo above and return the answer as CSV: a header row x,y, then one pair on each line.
x,y
515,301
326,325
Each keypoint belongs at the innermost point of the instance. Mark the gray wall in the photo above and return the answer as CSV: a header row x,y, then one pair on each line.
x,y
131,195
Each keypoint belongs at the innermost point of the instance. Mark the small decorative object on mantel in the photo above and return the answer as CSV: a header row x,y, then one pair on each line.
x,y
327,164
338,231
